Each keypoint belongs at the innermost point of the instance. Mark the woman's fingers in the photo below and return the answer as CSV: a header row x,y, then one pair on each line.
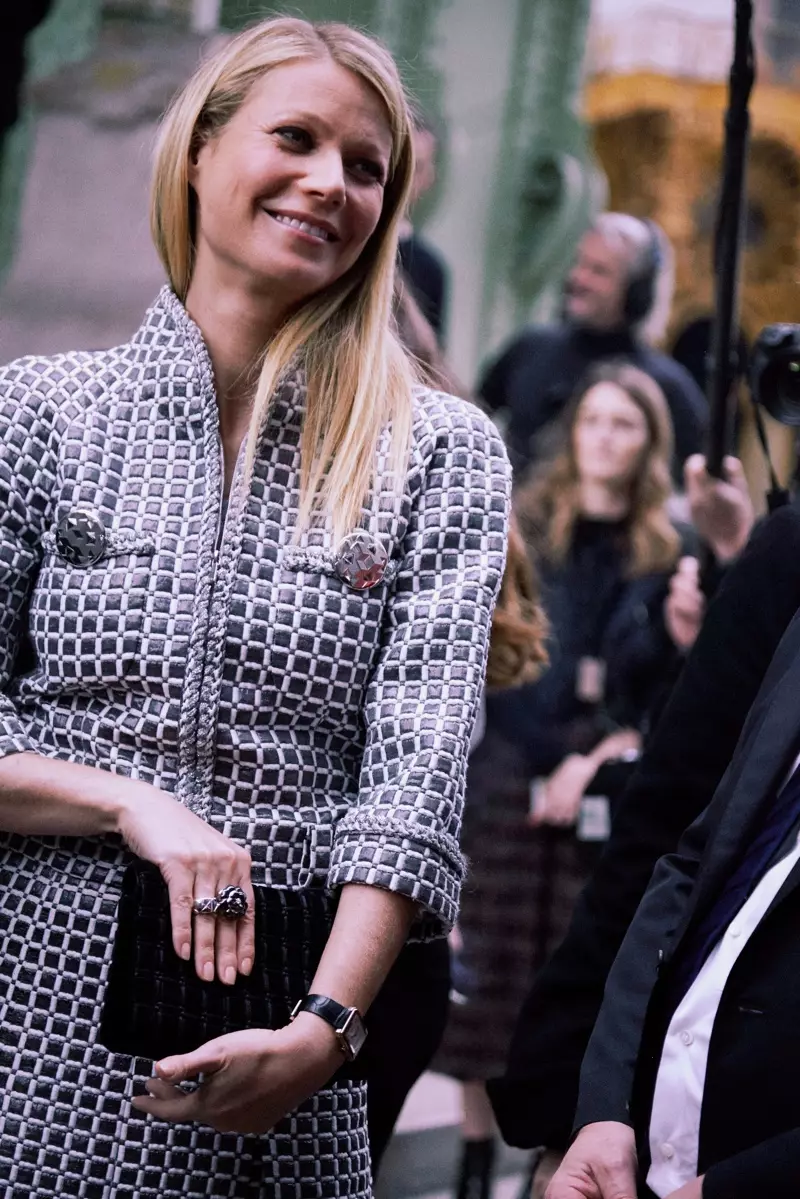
x,y
182,1067
206,886
235,941
227,958
181,1106
246,927
180,884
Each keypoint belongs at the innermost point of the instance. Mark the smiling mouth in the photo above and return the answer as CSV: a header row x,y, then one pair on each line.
x,y
306,227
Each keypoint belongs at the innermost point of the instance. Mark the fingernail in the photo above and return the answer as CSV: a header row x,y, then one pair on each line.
x,y
186,950
208,972
230,975
246,966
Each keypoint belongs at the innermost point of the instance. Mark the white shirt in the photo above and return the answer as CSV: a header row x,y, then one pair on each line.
x,y
678,1097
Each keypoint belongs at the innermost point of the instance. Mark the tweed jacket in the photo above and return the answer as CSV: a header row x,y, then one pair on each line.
x,y
218,654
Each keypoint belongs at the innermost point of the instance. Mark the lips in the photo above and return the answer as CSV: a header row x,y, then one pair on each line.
x,y
323,232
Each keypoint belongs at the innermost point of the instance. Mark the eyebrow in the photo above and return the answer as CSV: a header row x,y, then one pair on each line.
x,y
366,141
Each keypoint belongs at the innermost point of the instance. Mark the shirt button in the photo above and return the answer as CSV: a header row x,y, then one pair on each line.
x,y
687,1038
667,1152
735,932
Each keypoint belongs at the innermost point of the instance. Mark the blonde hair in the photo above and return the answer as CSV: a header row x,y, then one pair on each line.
x,y
550,505
359,379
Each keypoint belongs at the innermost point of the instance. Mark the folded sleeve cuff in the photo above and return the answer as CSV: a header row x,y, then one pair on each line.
x,y
421,863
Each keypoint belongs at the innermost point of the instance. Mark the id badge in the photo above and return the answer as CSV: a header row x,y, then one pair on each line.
x,y
594,818
537,796
590,680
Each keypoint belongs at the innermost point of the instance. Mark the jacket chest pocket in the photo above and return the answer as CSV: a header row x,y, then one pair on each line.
x,y
87,622
325,638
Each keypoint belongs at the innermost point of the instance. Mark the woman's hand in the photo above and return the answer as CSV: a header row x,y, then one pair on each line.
x,y
563,792
46,797
251,1079
196,862
564,789
685,606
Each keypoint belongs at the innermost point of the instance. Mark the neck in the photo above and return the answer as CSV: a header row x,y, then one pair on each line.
x,y
603,500
237,326
620,332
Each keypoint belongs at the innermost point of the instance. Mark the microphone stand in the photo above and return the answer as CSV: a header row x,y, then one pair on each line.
x,y
724,359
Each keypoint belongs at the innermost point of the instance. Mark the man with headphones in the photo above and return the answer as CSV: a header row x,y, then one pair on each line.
x,y
617,298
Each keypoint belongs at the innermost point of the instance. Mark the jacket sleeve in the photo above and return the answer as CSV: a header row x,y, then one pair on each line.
x,y
423,698
683,763
27,471
771,1168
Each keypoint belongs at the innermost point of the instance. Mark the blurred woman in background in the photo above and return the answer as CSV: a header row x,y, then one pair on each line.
x,y
596,525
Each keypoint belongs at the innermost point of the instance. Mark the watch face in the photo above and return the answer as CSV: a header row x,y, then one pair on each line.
x,y
353,1033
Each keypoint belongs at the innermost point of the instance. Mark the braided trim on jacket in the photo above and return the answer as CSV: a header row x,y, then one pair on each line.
x,y
364,822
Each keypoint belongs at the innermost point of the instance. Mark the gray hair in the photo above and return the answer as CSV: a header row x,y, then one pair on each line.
x,y
633,237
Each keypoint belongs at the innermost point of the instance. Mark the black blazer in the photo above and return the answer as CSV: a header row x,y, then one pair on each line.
x,y
750,1125
683,764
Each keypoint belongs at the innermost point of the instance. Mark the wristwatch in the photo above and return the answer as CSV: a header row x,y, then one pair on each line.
x,y
346,1022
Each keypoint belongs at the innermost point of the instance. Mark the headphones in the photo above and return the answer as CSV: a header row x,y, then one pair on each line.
x,y
641,293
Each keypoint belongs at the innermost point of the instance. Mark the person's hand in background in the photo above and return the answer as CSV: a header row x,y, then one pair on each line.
x,y
721,509
600,1164
685,606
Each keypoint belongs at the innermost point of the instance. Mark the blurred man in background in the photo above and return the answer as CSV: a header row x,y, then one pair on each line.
x,y
617,300
424,269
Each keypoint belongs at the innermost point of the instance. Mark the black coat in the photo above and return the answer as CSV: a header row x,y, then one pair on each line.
x,y
595,611
750,1120
425,270
535,1101
538,372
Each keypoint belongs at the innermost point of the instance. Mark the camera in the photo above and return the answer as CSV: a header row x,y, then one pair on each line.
x,y
775,372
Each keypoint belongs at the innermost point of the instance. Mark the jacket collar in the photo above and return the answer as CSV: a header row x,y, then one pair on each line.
x,y
172,345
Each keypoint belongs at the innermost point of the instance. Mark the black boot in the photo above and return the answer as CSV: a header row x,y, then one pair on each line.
x,y
475,1172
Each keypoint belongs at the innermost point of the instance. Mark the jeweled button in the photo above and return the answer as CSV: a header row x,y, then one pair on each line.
x,y
80,538
361,560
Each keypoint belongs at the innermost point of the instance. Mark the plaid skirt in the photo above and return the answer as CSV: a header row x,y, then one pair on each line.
x,y
66,1124
516,905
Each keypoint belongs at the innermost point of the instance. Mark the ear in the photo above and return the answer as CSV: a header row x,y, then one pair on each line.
x,y
196,152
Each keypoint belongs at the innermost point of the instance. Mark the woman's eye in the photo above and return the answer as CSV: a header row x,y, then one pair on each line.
x,y
365,166
297,138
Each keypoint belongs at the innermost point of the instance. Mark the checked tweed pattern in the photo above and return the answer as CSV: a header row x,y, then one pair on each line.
x,y
219,656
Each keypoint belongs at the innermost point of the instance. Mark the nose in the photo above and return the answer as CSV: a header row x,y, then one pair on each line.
x,y
325,177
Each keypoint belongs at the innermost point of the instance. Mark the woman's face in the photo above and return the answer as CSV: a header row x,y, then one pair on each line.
x,y
291,190
610,436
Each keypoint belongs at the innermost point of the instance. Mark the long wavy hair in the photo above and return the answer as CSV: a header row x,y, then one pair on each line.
x,y
517,650
359,378
550,504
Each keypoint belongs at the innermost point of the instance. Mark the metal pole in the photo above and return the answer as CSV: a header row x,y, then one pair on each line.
x,y
728,244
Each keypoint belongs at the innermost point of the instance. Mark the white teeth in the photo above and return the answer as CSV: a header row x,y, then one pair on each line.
x,y
304,226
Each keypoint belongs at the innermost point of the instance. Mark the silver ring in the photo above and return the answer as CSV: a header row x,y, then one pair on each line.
x,y
229,904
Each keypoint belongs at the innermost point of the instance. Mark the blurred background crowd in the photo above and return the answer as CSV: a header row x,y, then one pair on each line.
x,y
556,268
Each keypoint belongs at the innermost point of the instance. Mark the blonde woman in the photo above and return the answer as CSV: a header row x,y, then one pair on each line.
x,y
597,528
253,567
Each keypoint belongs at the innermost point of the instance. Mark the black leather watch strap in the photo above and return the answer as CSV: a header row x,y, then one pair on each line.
x,y
332,1012
346,1022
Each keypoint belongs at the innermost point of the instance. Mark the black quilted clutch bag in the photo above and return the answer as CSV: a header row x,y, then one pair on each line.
x,y
154,1003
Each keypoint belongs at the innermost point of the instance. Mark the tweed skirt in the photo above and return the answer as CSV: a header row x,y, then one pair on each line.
x,y
66,1124
516,905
